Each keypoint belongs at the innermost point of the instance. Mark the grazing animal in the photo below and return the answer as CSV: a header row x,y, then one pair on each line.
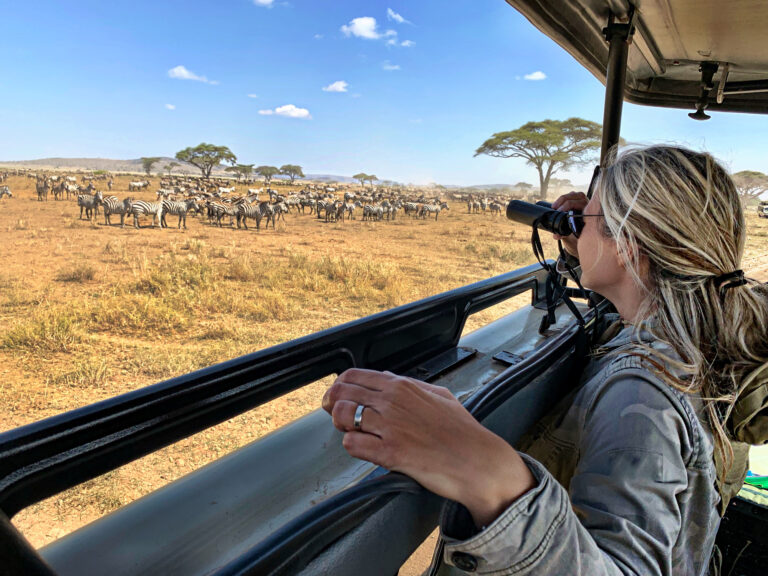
x,y
432,209
179,209
142,208
217,211
5,191
134,186
114,206
89,203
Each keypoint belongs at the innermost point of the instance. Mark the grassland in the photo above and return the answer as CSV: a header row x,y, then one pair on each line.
x,y
89,311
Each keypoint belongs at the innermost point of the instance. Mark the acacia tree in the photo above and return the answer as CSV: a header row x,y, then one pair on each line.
x,y
372,178
147,164
750,184
241,170
170,166
292,171
267,172
206,157
361,177
549,146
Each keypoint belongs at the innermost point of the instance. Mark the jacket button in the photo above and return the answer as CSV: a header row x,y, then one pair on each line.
x,y
464,561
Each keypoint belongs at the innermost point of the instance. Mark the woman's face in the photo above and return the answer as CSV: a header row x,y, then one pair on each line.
x,y
601,268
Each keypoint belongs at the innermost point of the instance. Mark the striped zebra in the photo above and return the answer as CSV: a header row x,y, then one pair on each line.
x,y
180,209
496,208
256,212
432,209
5,191
217,211
89,203
142,208
373,212
114,206
411,209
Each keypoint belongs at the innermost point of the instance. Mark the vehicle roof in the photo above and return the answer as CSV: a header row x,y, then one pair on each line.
x,y
672,38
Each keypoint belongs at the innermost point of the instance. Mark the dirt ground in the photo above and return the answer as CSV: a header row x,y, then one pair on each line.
x,y
89,311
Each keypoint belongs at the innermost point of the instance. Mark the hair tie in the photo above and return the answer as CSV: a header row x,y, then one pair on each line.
x,y
730,280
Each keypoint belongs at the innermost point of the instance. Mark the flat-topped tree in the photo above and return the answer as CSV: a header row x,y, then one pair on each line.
x,y
206,157
267,172
750,184
147,164
241,170
292,171
361,177
372,178
549,146
170,166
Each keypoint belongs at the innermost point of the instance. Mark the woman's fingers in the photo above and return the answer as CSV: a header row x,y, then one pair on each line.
x,y
343,415
571,201
341,390
365,447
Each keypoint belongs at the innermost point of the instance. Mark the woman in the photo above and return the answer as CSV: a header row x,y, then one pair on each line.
x,y
631,472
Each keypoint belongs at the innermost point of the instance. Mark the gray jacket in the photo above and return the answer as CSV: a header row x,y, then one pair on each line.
x,y
625,481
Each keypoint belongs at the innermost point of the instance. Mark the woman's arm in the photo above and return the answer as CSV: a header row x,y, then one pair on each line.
x,y
622,515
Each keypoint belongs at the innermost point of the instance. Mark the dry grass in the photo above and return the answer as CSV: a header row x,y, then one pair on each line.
x,y
91,311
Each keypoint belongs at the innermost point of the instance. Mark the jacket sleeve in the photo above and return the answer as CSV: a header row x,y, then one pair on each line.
x,y
621,516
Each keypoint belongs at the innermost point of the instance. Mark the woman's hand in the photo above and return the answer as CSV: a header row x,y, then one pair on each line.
x,y
572,201
421,430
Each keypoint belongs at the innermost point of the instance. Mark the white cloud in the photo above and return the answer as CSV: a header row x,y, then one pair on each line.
x,y
392,42
538,75
318,36
170,107
289,110
264,3
392,15
407,43
338,86
389,67
366,27
253,95
181,73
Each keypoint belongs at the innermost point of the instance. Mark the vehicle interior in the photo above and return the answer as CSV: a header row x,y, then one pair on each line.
x,y
294,502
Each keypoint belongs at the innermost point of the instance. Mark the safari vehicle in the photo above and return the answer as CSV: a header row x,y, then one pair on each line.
x,y
762,209
294,501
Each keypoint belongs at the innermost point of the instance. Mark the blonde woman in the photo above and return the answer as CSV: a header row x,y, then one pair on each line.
x,y
629,474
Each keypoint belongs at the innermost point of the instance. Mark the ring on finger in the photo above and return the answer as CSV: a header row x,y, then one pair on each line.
x,y
358,421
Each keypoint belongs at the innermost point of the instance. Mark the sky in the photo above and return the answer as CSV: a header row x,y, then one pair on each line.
x,y
403,90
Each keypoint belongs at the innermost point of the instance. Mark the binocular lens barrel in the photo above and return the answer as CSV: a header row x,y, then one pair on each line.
x,y
542,214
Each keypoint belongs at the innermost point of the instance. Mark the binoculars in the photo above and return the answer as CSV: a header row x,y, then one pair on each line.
x,y
542,215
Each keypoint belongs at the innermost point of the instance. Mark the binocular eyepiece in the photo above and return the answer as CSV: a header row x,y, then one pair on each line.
x,y
542,215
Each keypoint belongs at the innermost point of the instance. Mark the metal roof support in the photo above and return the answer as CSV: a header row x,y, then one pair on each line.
x,y
619,36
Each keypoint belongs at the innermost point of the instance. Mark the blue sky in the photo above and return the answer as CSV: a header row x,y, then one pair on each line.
x,y
411,88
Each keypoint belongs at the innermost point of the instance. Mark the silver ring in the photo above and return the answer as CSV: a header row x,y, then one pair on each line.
x,y
358,422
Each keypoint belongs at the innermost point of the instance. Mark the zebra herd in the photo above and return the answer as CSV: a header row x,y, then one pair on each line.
x,y
484,205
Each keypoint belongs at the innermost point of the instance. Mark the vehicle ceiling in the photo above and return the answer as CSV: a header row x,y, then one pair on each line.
x,y
671,39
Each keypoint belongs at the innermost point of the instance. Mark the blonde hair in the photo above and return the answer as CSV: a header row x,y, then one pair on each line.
x,y
680,211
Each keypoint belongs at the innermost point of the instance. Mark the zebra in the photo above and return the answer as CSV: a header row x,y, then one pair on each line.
x,y
5,191
142,208
268,212
432,209
495,208
373,212
245,211
114,206
179,209
281,209
42,187
89,203
217,211
411,209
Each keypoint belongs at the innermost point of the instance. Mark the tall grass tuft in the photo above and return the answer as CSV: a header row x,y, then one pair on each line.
x,y
80,272
50,329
